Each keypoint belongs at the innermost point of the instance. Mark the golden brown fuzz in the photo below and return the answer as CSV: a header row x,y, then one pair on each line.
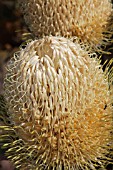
x,y
59,107
86,19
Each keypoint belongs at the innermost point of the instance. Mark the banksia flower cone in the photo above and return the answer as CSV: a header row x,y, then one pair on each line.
x,y
59,107
88,20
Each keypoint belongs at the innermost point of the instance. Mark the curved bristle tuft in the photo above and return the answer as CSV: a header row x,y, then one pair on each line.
x,y
89,20
59,107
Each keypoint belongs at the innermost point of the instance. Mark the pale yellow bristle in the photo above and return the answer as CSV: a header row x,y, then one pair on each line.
x,y
59,107
86,19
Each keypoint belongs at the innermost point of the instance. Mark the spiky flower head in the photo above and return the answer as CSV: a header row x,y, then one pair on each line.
x,y
59,107
85,19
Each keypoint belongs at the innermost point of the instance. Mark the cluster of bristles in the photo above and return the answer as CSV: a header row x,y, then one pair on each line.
x,y
88,20
59,100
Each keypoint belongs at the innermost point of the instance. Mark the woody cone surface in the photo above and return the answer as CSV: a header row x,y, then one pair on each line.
x,y
86,19
60,108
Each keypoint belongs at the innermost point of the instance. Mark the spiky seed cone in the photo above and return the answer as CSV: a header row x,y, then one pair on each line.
x,y
59,107
87,20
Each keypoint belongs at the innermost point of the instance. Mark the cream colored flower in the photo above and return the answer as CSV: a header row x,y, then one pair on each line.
x,y
59,107
86,19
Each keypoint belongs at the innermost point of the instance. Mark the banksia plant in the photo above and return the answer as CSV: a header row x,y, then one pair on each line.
x,y
59,107
3,112
88,20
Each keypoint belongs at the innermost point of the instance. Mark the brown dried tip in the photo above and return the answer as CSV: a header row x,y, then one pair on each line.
x,y
86,19
59,107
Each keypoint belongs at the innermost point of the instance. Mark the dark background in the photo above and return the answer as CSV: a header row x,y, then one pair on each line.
x,y
12,27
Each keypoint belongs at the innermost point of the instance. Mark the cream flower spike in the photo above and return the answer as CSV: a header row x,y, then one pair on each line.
x,y
86,19
59,108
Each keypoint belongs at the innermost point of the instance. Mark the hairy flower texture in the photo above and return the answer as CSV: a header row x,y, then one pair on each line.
x,y
59,107
3,112
86,19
